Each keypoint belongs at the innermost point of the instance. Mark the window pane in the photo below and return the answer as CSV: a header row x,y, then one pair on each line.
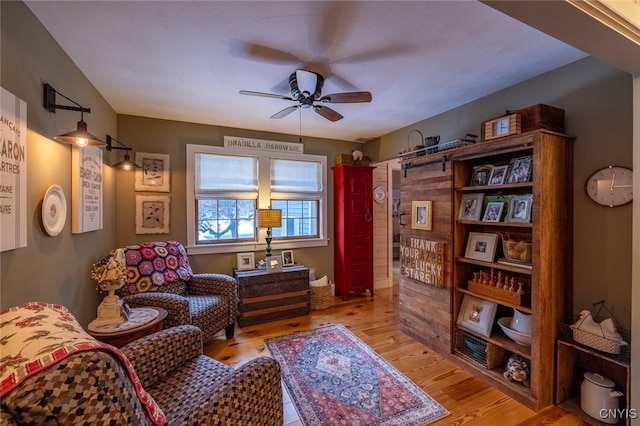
x,y
299,218
225,173
295,176
224,220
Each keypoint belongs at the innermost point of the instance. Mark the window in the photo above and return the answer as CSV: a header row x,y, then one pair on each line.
x,y
225,186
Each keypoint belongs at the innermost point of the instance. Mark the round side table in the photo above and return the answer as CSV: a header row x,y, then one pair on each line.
x,y
121,335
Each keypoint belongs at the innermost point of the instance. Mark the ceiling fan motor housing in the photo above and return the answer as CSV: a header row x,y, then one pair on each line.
x,y
306,86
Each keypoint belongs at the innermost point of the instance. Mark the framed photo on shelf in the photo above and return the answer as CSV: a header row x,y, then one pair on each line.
x,y
520,169
287,258
520,208
246,261
481,246
154,172
152,214
477,314
421,215
498,175
274,264
493,212
480,175
471,206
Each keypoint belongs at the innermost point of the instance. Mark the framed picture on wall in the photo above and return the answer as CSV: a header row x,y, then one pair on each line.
x,y
154,173
152,214
421,215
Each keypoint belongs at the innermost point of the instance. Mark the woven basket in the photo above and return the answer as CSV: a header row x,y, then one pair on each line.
x,y
320,294
519,251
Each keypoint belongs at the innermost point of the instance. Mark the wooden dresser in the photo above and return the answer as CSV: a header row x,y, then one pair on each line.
x,y
268,297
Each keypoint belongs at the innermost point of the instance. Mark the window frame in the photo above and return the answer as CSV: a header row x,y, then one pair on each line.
x,y
263,201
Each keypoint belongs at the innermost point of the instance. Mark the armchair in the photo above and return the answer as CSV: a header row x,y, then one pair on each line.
x,y
53,372
159,274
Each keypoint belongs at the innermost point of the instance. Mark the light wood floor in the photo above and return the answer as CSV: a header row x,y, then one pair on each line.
x,y
470,401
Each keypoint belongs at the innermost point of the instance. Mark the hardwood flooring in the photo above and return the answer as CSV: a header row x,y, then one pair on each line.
x,y
470,400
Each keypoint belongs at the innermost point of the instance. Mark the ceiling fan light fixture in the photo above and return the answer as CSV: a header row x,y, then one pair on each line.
x,y
305,84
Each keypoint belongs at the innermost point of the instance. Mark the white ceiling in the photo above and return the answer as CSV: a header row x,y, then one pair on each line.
x,y
187,60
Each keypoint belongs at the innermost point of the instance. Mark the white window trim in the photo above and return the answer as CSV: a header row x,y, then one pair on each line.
x,y
264,198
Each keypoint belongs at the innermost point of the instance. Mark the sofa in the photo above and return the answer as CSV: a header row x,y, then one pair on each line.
x,y
53,372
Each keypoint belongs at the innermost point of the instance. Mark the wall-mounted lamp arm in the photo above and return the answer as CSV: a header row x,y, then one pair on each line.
x,y
110,146
50,101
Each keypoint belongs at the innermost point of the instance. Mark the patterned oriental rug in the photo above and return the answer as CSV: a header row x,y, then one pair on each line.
x,y
336,379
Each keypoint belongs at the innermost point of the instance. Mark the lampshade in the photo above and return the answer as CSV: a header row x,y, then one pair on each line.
x,y
80,137
269,218
126,164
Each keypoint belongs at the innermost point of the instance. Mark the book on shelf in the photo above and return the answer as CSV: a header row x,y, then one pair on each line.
x,y
515,263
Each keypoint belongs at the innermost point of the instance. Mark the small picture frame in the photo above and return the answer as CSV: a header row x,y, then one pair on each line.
x,y
480,175
154,172
421,215
498,175
520,170
152,214
493,212
274,264
477,314
287,258
481,246
520,208
246,261
471,207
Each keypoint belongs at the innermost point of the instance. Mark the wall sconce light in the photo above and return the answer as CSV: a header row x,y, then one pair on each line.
x,y
269,218
80,136
125,164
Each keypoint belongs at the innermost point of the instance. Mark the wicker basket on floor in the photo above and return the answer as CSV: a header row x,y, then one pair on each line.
x,y
320,293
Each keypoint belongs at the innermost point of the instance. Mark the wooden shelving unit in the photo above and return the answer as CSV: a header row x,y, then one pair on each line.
x,y
550,275
573,361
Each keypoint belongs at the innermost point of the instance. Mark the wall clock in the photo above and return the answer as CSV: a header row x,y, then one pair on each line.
x,y
379,194
501,126
611,186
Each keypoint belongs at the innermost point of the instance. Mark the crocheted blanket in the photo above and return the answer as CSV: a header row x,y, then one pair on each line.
x,y
155,264
36,335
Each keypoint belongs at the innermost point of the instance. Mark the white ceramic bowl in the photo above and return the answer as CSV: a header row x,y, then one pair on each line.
x,y
521,322
519,338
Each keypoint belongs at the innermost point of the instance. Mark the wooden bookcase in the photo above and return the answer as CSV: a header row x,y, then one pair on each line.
x,y
549,278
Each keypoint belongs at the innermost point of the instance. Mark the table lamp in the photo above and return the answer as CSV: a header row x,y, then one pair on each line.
x,y
269,218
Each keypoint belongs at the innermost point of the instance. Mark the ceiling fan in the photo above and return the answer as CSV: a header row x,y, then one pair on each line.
x,y
306,89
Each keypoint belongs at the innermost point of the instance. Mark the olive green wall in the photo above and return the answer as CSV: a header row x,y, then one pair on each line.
x,y
597,100
52,269
171,137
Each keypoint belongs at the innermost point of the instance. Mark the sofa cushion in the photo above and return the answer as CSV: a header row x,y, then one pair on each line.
x,y
153,265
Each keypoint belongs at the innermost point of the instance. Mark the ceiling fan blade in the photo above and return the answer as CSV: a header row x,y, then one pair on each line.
x,y
329,27
285,111
327,113
347,97
244,49
266,95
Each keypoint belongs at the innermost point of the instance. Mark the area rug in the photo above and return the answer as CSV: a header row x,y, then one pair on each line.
x,y
336,379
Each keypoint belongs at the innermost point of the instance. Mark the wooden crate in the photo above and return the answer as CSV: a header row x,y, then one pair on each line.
x,y
344,159
500,294
541,116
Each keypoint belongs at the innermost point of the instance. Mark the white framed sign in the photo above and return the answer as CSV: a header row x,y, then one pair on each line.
x,y
86,189
263,145
13,172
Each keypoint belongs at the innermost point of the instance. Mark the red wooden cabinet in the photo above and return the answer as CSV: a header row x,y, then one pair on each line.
x,y
353,229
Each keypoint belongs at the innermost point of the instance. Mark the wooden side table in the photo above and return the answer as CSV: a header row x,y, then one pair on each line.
x,y
268,297
120,336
